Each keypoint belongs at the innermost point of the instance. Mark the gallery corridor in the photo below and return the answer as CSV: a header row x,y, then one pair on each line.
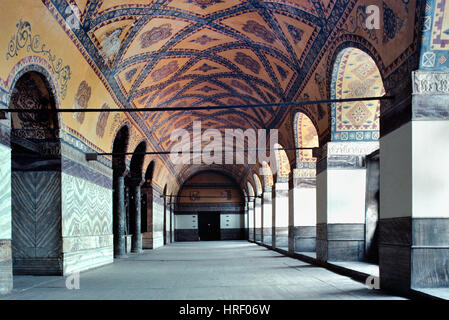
x,y
228,270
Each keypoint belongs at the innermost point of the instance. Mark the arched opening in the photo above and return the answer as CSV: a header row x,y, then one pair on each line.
x,y
147,208
164,194
282,164
303,215
251,229
356,75
258,208
267,210
134,182
35,179
209,207
306,136
119,148
281,199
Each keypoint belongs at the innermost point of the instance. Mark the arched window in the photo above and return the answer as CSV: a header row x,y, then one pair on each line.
x,y
36,195
258,185
282,163
267,176
356,75
306,136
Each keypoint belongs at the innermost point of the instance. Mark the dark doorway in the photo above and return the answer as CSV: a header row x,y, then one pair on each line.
x,y
209,226
35,179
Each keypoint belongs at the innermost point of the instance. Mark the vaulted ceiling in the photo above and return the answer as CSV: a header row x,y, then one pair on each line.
x,y
167,53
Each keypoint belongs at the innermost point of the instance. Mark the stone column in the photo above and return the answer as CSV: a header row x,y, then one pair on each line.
x,y
258,219
267,217
341,190
280,215
119,245
414,189
172,220
251,220
136,244
245,218
302,211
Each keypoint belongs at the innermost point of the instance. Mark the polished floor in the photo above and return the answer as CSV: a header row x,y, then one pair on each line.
x,y
227,270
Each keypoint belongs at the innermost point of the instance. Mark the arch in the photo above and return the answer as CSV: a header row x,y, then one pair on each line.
x,y
258,185
35,178
215,201
147,206
137,160
282,164
164,194
119,148
250,191
49,78
149,173
119,200
355,75
306,136
133,183
267,176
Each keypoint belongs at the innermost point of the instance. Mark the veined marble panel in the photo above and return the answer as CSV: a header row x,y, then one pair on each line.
x,y
86,208
87,259
72,244
158,223
5,192
36,219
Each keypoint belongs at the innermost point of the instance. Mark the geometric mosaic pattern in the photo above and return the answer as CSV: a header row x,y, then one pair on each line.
x,y
356,76
282,164
306,136
435,38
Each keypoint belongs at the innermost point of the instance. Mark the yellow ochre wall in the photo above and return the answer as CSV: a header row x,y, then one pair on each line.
x,y
50,33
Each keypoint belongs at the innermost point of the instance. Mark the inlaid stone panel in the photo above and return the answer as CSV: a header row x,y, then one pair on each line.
x,y
36,222
5,192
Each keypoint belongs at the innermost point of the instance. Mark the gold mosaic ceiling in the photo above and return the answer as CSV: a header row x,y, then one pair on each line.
x,y
167,53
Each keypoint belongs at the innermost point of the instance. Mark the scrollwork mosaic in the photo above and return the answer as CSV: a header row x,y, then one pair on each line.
x,y
24,38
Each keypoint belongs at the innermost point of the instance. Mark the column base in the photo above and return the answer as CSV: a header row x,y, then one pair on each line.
x,y
414,253
302,239
340,242
430,252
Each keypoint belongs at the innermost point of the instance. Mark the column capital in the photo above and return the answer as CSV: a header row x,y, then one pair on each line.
x,y
430,82
346,148
303,178
344,155
430,95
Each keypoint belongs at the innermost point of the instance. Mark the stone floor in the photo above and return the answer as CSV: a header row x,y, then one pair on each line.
x,y
201,270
